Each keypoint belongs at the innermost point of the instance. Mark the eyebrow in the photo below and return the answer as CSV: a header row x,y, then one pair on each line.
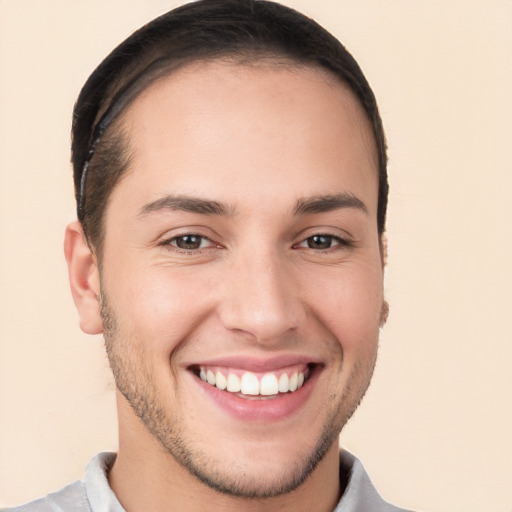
x,y
304,206
187,204
327,203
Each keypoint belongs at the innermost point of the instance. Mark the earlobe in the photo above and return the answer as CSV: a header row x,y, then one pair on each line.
x,y
84,278
384,313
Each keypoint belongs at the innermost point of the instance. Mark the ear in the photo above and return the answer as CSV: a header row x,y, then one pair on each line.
x,y
383,245
84,278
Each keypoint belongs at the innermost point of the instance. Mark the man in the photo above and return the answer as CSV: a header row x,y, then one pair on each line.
x,y
230,176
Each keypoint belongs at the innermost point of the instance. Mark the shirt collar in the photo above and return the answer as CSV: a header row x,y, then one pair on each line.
x,y
100,495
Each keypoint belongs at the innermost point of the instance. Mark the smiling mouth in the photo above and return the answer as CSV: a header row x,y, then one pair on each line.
x,y
256,385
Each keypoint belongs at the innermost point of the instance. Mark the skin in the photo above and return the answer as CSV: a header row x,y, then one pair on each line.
x,y
259,140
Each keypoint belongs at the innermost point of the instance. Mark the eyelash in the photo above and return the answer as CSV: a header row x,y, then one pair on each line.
x,y
173,242
339,243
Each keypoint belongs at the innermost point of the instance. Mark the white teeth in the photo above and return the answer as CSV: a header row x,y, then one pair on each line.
x,y
284,383
220,381
268,385
294,381
210,377
233,383
250,385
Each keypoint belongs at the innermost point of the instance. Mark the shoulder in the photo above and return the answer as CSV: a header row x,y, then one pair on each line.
x,y
71,498
91,493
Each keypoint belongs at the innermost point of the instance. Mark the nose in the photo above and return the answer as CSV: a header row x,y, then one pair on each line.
x,y
261,298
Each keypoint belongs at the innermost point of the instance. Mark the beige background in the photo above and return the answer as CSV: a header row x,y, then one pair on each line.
x,y
435,429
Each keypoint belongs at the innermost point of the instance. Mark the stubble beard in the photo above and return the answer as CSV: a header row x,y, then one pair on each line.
x,y
135,384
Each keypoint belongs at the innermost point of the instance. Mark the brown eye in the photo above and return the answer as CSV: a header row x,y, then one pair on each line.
x,y
190,242
320,242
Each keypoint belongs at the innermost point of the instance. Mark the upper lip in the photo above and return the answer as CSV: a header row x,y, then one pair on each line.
x,y
256,364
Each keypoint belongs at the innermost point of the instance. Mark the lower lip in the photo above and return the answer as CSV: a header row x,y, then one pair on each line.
x,y
264,410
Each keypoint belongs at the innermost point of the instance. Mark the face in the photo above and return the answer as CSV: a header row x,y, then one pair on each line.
x,y
241,274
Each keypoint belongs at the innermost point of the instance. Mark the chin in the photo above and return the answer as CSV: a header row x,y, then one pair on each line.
x,y
253,469
257,478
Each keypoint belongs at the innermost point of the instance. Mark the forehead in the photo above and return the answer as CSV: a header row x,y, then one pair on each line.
x,y
240,126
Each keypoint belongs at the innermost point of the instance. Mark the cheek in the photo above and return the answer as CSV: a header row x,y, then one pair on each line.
x,y
350,306
163,306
